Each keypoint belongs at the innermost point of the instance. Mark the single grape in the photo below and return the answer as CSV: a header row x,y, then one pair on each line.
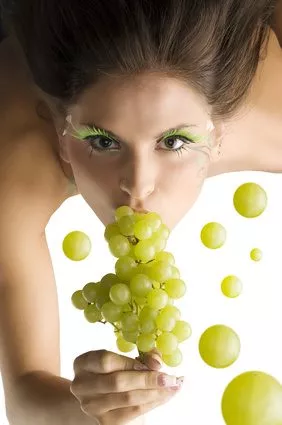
x,y
123,211
124,346
175,288
231,286
148,313
143,230
147,326
167,257
141,301
158,242
102,296
144,251
157,299
213,235
174,359
163,231
252,398
256,254
129,322
160,271
140,285
92,314
167,343
125,268
90,292
130,336
111,312
109,280
76,246
146,342
250,200
126,225
174,311
175,274
165,321
78,300
111,230
219,346
119,246
154,220
182,330
120,294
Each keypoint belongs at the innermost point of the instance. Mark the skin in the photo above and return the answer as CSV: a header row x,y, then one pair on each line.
x,y
147,171
34,182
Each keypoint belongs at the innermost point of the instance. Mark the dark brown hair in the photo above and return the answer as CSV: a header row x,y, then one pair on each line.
x,y
215,45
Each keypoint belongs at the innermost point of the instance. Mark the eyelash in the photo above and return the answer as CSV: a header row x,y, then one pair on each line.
x,y
89,132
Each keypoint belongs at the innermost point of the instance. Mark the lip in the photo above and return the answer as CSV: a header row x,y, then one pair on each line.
x,y
140,211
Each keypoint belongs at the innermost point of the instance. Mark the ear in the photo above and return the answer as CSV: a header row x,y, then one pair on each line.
x,y
218,137
63,147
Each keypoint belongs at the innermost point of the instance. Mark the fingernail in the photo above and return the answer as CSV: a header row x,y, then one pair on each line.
x,y
140,366
180,381
167,380
155,363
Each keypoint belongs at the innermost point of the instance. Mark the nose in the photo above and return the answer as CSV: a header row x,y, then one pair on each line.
x,y
138,177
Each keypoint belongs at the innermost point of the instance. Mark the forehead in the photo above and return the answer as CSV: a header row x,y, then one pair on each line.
x,y
150,100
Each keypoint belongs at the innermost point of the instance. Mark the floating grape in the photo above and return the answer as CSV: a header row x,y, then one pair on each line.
x,y
250,200
231,286
256,254
76,246
213,235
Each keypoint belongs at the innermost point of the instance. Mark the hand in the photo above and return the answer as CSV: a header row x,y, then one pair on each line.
x,y
114,389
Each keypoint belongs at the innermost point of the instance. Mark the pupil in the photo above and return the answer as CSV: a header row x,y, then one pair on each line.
x,y
105,143
170,143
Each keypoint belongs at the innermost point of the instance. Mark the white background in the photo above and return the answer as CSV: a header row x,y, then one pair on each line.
x,y
256,315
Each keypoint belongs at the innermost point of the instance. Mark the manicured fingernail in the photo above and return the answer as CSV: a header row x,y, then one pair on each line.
x,y
166,380
179,381
140,366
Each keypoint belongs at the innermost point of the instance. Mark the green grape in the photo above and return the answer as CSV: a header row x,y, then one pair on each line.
x,y
158,242
92,314
167,257
124,346
252,398
165,321
256,254
126,307
120,294
76,246
109,280
175,274
231,286
111,312
170,301
147,326
163,232
182,330
125,268
250,200
78,300
119,246
102,296
146,342
144,251
111,230
140,300
130,336
126,225
175,288
174,359
157,299
143,230
140,285
160,271
219,346
123,211
90,291
167,343
156,285
174,311
139,216
213,235
129,322
147,313
154,220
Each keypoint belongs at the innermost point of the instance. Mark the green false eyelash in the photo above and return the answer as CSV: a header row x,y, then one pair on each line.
x,y
90,131
186,134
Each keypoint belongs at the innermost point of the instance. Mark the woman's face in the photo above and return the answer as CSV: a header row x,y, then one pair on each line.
x,y
145,142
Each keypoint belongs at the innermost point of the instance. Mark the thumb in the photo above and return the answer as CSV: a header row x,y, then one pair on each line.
x,y
152,359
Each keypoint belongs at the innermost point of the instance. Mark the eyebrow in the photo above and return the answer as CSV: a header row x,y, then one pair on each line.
x,y
159,136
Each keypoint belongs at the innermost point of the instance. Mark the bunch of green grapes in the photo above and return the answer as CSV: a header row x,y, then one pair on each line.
x,y
138,299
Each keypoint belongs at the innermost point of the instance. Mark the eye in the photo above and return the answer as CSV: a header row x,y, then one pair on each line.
x,y
101,143
174,143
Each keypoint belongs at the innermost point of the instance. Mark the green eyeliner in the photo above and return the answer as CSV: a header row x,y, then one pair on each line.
x,y
184,133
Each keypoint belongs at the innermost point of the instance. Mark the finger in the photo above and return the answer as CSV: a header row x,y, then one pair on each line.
x,y
152,359
87,385
105,402
103,361
127,414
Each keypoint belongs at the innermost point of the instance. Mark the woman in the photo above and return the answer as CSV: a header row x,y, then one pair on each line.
x,y
126,103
